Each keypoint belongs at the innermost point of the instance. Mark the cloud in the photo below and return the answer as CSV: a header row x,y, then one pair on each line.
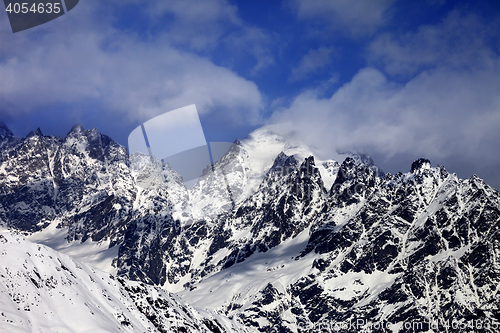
x,y
205,26
443,114
436,94
200,23
254,41
134,77
313,61
361,17
460,40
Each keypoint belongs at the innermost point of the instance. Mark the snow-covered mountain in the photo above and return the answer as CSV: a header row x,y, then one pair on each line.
x,y
417,249
270,236
42,290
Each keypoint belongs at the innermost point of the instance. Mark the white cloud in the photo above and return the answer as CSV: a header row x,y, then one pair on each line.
x,y
136,79
360,17
461,40
442,115
448,110
313,61
206,25
200,23
254,41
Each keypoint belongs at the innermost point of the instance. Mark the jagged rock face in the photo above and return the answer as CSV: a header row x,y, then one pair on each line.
x,y
83,181
367,161
316,246
283,206
27,190
413,249
289,197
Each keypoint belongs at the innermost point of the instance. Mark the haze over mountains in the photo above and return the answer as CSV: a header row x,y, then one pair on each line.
x,y
271,238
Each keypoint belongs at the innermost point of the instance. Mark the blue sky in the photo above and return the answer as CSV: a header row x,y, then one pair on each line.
x,y
395,79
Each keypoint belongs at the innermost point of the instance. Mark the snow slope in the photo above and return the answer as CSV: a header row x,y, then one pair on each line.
x,y
45,291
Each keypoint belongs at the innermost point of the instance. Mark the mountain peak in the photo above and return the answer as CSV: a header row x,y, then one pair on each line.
x,y
421,163
37,132
76,129
284,164
6,136
5,131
